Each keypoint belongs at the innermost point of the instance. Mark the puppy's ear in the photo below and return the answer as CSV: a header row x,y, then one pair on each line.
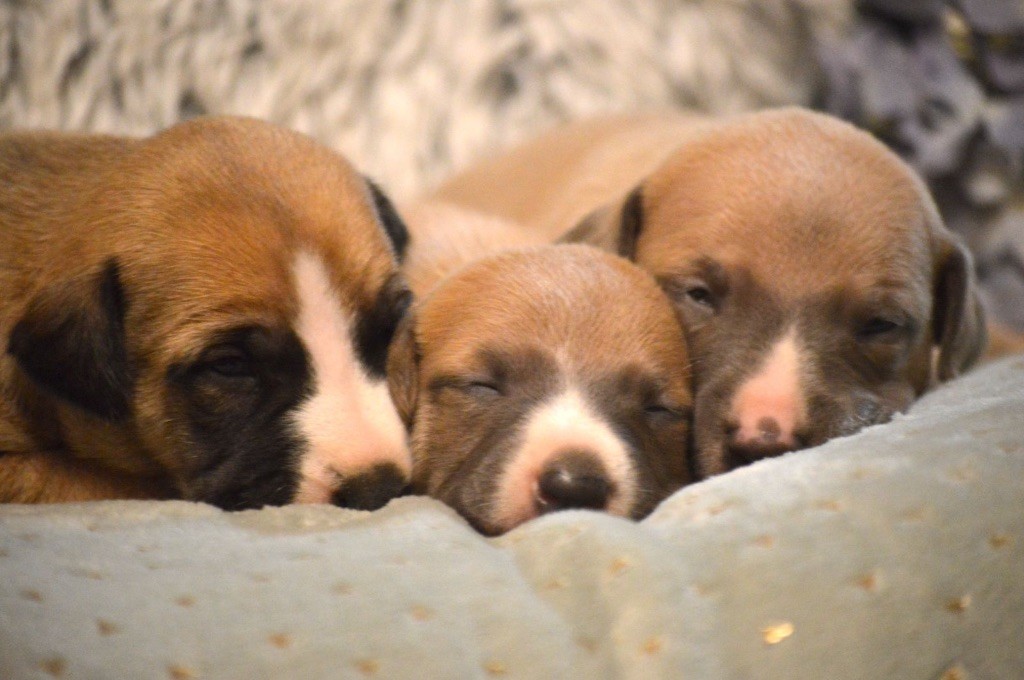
x,y
614,228
403,369
389,218
958,319
71,342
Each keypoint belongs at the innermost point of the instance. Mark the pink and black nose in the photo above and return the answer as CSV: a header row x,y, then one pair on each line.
x,y
765,438
372,489
768,408
574,479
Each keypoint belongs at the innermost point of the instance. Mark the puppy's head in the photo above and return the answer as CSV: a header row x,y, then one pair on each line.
x,y
544,379
227,301
819,289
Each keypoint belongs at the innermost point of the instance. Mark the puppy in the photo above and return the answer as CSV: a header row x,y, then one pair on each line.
x,y
203,314
820,291
445,237
539,379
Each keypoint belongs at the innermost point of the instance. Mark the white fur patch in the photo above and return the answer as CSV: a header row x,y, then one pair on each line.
x,y
564,422
773,392
349,424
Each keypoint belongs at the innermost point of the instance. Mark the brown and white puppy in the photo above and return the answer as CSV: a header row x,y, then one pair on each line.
x,y
544,379
202,314
820,291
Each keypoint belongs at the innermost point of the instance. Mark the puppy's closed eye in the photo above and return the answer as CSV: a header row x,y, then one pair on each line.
x,y
701,295
229,362
666,412
243,360
483,389
700,290
878,328
469,386
883,324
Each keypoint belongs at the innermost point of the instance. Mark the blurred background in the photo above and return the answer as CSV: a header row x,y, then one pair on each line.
x,y
413,89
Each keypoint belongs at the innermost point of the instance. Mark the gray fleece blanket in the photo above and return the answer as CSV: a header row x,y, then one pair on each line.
x,y
894,553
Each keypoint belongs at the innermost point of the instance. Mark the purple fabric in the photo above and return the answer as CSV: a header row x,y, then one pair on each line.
x,y
993,16
956,113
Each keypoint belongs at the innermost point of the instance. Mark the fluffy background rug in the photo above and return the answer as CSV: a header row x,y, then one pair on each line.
x,y
408,88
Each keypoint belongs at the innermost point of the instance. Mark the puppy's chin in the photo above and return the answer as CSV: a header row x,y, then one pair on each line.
x,y
496,526
473,490
485,527
490,521
472,496
483,518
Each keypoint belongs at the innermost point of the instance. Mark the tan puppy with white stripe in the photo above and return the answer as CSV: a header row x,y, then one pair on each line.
x,y
819,288
203,314
538,379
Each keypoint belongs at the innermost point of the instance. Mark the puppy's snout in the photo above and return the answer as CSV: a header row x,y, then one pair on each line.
x,y
768,407
372,489
573,480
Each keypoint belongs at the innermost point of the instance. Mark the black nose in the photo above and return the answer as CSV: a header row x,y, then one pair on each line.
x,y
372,489
575,479
766,444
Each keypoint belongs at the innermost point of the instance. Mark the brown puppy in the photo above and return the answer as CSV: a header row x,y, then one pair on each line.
x,y
202,314
445,237
820,290
542,379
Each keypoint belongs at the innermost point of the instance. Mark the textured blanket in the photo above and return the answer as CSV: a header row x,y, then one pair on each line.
x,y
894,553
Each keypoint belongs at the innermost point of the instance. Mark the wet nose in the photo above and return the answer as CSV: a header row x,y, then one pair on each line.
x,y
372,489
573,480
763,439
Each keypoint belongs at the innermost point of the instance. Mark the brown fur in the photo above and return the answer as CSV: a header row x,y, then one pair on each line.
x,y
445,237
201,221
781,217
541,319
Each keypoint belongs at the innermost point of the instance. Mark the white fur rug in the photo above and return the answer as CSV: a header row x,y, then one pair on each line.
x,y
408,88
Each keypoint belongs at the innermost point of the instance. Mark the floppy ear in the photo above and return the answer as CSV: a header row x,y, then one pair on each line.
x,y
614,228
958,320
389,218
71,342
403,369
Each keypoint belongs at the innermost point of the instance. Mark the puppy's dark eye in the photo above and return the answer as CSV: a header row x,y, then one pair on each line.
x,y
878,328
693,293
229,362
701,295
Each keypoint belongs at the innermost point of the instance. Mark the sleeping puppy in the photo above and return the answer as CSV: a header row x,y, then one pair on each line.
x,y
544,379
203,314
819,289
